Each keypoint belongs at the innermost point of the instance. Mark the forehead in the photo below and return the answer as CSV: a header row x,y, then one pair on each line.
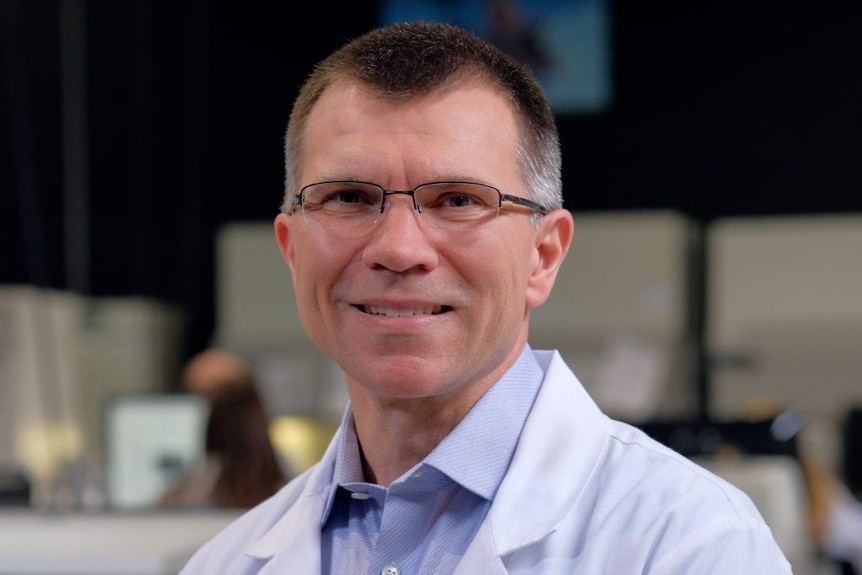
x,y
355,132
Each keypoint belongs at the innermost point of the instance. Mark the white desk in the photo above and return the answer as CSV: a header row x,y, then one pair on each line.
x,y
151,543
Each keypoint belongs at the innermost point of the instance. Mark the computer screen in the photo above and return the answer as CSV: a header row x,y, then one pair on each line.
x,y
151,440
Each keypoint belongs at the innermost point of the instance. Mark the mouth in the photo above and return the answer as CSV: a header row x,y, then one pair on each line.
x,y
393,312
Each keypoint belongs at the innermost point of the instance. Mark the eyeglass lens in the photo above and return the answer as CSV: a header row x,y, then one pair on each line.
x,y
340,205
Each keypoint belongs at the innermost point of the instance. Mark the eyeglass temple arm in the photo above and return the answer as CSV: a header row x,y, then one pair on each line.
x,y
525,202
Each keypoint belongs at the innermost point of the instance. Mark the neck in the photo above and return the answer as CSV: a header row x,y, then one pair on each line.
x,y
402,432
396,433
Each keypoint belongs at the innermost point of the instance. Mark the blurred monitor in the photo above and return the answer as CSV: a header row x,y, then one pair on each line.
x,y
15,488
151,440
566,43
730,438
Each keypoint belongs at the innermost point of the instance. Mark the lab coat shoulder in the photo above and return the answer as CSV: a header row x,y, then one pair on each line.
x,y
589,495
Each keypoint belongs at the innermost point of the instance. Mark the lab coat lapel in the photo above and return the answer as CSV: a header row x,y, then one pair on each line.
x,y
482,555
548,473
292,545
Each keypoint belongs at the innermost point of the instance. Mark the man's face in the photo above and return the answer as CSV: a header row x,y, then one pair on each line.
x,y
406,310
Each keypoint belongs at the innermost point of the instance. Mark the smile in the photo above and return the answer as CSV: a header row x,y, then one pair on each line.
x,y
391,312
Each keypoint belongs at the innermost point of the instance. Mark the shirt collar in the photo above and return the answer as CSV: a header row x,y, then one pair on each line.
x,y
477,453
348,464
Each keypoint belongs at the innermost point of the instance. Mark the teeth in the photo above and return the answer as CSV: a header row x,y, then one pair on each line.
x,y
389,312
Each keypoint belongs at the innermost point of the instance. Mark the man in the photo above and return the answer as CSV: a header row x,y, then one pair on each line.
x,y
422,223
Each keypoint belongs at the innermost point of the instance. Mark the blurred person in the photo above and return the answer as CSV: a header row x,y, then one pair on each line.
x,y
241,467
422,222
842,536
212,370
511,31
835,515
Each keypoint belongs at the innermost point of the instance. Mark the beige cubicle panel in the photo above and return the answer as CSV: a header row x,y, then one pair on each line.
x,y
64,356
785,317
254,293
619,311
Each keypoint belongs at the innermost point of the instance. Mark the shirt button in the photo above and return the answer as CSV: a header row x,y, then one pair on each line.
x,y
390,570
361,495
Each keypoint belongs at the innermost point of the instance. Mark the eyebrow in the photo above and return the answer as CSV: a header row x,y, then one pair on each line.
x,y
437,179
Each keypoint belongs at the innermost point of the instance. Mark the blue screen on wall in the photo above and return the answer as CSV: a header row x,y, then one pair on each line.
x,y
566,43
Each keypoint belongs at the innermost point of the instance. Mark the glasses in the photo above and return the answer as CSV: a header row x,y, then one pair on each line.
x,y
345,205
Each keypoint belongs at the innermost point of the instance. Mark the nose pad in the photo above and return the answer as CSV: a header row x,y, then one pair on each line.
x,y
410,193
401,219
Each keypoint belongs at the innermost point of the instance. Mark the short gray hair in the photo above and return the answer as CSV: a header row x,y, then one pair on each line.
x,y
407,60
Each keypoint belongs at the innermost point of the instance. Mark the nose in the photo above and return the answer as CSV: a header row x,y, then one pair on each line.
x,y
400,241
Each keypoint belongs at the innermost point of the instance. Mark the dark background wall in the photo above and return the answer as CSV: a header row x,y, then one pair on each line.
x,y
721,109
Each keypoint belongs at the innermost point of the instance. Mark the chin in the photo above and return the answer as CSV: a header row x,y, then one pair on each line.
x,y
401,383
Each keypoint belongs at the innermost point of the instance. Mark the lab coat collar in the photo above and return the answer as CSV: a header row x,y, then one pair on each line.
x,y
298,528
550,469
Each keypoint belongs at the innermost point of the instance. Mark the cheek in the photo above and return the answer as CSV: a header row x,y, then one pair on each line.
x,y
516,260
504,274
313,280
318,266
315,255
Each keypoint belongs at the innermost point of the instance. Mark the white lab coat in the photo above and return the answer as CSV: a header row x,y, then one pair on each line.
x,y
585,495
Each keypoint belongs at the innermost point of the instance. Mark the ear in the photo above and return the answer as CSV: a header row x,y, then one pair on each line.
x,y
552,241
282,235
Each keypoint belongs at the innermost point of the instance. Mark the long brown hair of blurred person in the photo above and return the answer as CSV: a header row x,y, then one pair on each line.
x,y
237,436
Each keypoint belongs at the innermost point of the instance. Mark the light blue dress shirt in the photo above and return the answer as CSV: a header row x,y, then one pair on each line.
x,y
427,518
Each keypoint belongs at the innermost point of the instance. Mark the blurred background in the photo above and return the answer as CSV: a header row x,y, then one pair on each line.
x,y
713,294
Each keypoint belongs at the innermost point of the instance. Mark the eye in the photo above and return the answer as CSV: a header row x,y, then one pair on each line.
x,y
459,197
457,200
342,197
350,195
